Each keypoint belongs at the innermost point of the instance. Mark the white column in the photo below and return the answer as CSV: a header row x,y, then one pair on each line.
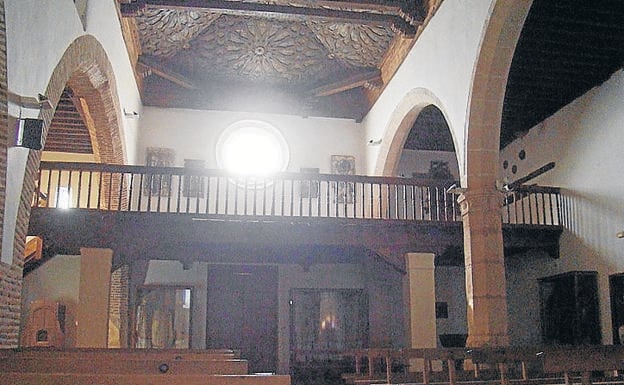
x,y
93,298
420,297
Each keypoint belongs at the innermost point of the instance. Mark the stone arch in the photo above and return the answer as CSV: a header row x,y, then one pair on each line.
x,y
86,68
489,81
481,203
395,134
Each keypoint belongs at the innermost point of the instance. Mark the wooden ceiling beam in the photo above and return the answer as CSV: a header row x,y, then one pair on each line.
x,y
158,68
367,79
402,16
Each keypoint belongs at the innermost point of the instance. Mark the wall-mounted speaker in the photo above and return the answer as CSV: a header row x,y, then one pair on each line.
x,y
29,133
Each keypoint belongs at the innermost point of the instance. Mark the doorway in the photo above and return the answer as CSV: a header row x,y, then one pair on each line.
x,y
569,309
163,318
616,290
242,312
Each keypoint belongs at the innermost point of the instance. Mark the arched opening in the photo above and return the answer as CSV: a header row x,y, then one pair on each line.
x,y
405,120
83,126
487,316
429,151
429,154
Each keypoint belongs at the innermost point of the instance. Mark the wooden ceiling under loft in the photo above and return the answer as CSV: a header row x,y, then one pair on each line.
x,y
68,132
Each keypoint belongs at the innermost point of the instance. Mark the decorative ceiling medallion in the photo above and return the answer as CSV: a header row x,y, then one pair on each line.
x,y
164,32
356,45
261,50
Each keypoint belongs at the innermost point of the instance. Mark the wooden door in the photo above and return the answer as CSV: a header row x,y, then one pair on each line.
x,y
242,312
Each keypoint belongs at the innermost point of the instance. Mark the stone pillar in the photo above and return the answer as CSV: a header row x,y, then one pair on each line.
x,y
485,268
93,296
420,298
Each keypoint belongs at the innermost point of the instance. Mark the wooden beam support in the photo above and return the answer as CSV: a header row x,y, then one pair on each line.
x,y
157,68
370,79
403,16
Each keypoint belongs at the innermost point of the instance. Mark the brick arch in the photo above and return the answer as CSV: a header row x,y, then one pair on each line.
x,y
85,67
403,118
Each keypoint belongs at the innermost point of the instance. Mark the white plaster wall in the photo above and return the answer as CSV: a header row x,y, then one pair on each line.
x,y
172,273
412,161
442,61
38,33
193,134
57,280
585,139
450,287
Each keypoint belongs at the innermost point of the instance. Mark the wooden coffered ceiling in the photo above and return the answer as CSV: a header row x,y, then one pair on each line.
x,y
332,58
311,58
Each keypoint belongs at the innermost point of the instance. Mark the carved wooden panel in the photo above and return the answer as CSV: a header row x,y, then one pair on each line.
x,y
206,45
224,56
164,32
260,49
356,45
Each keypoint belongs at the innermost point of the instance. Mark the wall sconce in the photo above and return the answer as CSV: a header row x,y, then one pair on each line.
x,y
131,114
28,131
373,142
620,234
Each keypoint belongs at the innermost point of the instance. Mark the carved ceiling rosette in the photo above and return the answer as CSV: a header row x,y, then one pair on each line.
x,y
165,32
261,50
356,45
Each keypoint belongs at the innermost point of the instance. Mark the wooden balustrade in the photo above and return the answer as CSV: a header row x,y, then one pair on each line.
x,y
218,194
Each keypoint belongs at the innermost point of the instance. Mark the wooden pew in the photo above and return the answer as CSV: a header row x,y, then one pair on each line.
x,y
583,360
113,365
499,359
128,367
134,379
502,359
389,357
126,354
370,355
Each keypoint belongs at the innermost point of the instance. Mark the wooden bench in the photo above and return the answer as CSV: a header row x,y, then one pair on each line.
x,y
125,354
583,360
135,379
112,365
500,359
129,367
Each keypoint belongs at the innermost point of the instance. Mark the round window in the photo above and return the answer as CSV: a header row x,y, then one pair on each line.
x,y
252,147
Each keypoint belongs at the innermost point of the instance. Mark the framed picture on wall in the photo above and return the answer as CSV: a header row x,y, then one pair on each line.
x,y
158,184
343,165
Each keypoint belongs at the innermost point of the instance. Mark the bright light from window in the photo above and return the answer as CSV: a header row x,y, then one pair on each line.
x,y
252,148
63,198
186,301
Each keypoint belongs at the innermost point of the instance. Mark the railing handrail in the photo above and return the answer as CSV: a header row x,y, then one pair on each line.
x,y
118,168
219,193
